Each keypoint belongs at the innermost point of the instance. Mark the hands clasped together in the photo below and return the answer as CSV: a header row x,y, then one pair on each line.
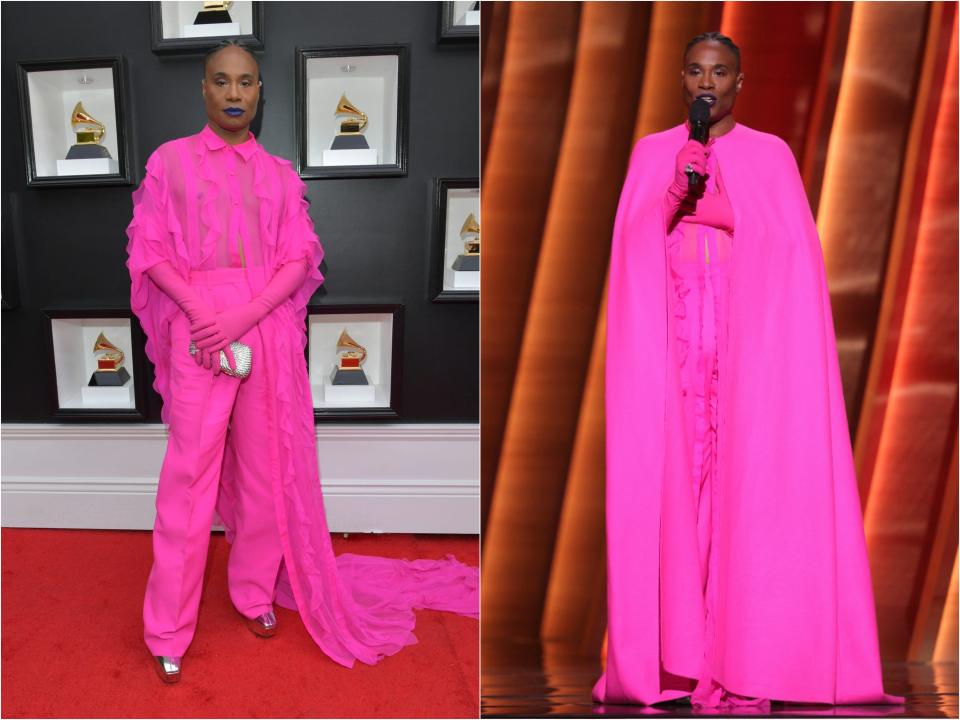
x,y
213,331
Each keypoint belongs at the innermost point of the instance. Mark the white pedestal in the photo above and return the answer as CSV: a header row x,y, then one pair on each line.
x,y
108,397
91,166
466,279
350,157
348,394
211,30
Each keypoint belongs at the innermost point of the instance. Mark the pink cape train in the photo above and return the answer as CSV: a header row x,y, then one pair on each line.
x,y
795,617
355,607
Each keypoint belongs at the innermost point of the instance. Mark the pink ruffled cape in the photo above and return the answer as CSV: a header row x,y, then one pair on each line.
x,y
795,611
355,607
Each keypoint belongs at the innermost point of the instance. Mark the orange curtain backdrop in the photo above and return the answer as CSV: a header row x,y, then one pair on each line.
x,y
867,165
525,134
876,145
910,530
561,317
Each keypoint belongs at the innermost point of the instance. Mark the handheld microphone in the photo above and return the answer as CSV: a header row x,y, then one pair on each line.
x,y
699,131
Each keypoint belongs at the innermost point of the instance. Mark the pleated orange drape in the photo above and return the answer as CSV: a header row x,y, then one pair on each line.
x,y
567,88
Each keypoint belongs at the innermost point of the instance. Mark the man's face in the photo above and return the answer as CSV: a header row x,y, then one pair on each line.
x,y
710,70
231,89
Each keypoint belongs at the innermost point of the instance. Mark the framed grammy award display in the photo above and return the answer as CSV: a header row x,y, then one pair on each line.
x,y
97,365
455,240
74,122
352,110
354,358
459,21
191,27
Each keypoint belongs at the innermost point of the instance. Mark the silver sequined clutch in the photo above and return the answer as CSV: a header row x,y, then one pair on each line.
x,y
242,355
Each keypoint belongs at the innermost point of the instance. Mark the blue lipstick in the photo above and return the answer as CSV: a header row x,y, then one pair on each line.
x,y
235,112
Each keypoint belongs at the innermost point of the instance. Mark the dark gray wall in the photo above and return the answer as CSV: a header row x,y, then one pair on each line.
x,y
67,244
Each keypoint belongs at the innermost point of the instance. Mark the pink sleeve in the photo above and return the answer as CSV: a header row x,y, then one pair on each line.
x,y
298,241
288,279
154,236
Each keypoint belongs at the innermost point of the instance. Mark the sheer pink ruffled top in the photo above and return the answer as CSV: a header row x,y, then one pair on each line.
x,y
206,205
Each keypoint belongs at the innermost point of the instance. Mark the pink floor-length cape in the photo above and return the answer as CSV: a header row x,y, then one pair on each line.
x,y
795,617
355,607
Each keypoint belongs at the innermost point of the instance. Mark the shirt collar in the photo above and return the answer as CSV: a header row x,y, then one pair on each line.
x,y
213,141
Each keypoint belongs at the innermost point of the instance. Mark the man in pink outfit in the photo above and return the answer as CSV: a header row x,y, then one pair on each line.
x,y
217,306
222,250
737,570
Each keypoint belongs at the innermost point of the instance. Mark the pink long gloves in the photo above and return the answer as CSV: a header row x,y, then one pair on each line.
x,y
214,331
696,154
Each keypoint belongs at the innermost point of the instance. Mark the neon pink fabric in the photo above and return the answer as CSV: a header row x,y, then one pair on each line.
x,y
737,565
165,276
698,254
201,406
206,206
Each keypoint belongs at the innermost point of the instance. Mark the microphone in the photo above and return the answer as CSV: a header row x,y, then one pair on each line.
x,y
699,131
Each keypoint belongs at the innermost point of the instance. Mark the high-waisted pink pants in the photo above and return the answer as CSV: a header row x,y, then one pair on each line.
x,y
212,417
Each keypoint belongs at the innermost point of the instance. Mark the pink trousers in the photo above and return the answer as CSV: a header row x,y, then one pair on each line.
x,y
211,418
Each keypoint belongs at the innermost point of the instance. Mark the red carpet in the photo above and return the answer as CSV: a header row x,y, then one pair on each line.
x,y
73,640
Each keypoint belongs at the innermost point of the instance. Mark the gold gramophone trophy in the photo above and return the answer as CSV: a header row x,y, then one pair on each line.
x,y
350,356
470,234
352,126
89,132
213,12
110,371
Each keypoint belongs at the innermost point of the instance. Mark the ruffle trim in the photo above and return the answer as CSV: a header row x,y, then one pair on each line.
x,y
148,244
211,227
703,382
299,241
209,192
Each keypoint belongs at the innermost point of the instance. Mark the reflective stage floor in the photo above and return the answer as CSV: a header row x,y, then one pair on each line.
x,y
530,680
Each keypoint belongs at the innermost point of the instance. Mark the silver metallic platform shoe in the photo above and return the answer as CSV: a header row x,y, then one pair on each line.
x,y
168,667
264,625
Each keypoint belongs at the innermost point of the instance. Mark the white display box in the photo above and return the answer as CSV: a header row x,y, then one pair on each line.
x,y
460,203
374,331
211,30
465,279
344,395
91,166
370,82
464,14
75,363
107,397
177,20
350,157
53,95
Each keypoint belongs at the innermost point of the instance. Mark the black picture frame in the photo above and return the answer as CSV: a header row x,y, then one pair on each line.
x,y
437,254
118,69
136,358
195,46
396,169
393,411
448,32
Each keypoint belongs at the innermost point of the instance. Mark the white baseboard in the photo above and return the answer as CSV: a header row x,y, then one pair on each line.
x,y
376,478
